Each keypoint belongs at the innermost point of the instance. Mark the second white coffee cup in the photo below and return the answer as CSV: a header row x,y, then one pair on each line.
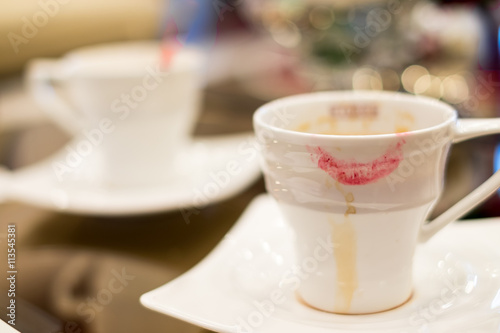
x,y
129,114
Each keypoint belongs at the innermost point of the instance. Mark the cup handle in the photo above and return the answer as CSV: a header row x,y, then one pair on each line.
x,y
39,79
466,129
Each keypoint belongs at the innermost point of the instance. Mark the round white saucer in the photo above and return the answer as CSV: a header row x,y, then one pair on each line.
x,y
195,183
236,288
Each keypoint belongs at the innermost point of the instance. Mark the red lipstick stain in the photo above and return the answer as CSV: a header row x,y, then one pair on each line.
x,y
170,46
356,173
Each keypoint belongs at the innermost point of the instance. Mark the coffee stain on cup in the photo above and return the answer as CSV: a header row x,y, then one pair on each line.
x,y
401,129
356,120
322,125
328,123
405,121
351,172
303,127
344,241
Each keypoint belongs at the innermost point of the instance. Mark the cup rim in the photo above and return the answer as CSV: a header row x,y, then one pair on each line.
x,y
69,64
352,95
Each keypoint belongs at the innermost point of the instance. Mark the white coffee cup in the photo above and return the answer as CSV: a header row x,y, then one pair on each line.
x,y
361,171
128,114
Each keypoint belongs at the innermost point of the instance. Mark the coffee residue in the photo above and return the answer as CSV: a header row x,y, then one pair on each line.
x,y
404,122
328,124
345,250
304,127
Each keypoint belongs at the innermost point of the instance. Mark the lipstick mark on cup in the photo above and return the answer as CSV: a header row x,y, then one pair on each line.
x,y
351,172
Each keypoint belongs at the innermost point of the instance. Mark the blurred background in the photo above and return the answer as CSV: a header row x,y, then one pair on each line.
x,y
257,50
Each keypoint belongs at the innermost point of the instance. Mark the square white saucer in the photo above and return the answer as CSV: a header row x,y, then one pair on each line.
x,y
456,278
6,328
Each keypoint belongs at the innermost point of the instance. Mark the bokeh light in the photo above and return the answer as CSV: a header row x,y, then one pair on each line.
x,y
411,75
367,78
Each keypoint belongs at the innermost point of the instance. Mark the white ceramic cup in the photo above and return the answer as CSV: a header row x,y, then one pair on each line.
x,y
361,172
128,115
